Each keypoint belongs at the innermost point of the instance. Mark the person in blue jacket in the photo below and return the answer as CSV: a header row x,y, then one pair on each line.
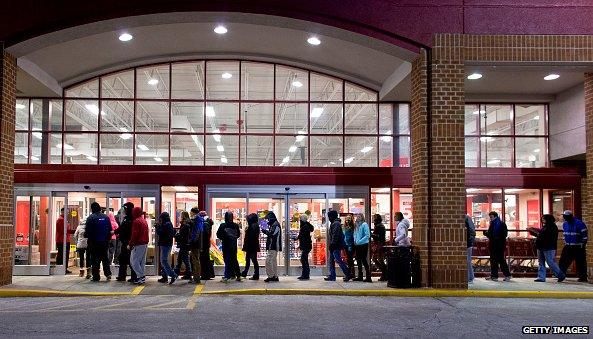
x,y
362,234
575,247
98,233
497,238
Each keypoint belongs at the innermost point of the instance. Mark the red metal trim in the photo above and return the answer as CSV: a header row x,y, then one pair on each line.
x,y
134,118
170,110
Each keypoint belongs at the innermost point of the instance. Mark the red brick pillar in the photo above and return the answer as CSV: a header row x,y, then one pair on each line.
x,y
7,113
586,197
438,164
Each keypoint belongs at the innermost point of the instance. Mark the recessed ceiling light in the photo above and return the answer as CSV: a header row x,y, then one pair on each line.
x,y
91,158
224,160
314,41
220,29
366,149
125,37
292,149
143,147
316,112
123,129
474,76
125,136
210,111
297,84
20,106
286,159
157,159
220,148
92,108
348,160
551,76
226,75
153,81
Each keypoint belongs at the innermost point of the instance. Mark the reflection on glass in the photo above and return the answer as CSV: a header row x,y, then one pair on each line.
x,y
222,150
496,151
222,80
257,150
188,80
530,119
360,152
118,85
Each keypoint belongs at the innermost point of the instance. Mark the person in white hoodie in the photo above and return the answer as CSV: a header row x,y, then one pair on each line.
x,y
82,249
401,232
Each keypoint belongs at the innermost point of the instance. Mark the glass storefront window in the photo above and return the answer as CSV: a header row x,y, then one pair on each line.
x,y
118,116
386,119
22,115
522,209
403,151
403,118
292,118
118,86
152,149
222,80
187,150
530,152
471,152
472,116
187,117
116,149
222,150
497,151
152,116
187,80
82,115
358,93
497,120
80,149
386,151
326,118
257,150
324,88
480,202
222,117
88,89
292,84
326,151
257,81
360,152
152,82
291,151
530,119
21,148
257,117
360,118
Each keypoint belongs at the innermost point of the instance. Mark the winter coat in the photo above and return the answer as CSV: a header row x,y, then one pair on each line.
x,y
207,234
81,241
547,237
336,236
497,231
379,234
60,230
362,234
349,239
182,237
401,233
575,232
97,229
139,228
251,240
114,224
195,236
470,230
228,232
124,231
304,237
165,230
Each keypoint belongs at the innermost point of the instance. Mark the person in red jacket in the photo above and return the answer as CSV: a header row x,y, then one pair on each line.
x,y
138,245
60,241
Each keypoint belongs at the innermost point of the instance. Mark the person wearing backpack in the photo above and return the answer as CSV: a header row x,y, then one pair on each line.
x,y
195,243
165,231
228,232
470,230
98,232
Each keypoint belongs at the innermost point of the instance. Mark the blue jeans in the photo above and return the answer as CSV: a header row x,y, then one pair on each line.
x,y
548,257
166,267
470,266
333,257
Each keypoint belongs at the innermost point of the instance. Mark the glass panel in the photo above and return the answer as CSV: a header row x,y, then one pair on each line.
x,y
402,202
314,209
530,119
291,150
361,118
386,119
561,201
152,82
292,84
116,149
497,120
326,151
324,88
326,118
257,150
257,117
257,81
187,150
386,151
152,116
82,115
80,149
357,93
530,152
152,149
188,80
187,117
522,209
56,115
21,148
222,150
70,224
403,118
22,115
497,152
117,116
403,151
482,201
118,85
292,118
222,80
31,230
471,152
360,152
54,123
472,115
54,148
222,117
88,89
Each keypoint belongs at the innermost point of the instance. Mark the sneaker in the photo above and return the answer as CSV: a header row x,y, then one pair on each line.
x,y
140,281
329,279
123,279
268,279
225,280
369,280
254,278
507,279
491,279
172,280
163,280
357,279
108,278
582,280
346,279
561,279
88,276
538,280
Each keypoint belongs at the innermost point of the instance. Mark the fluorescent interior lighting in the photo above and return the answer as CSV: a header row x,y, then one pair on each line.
x,y
536,117
157,159
220,148
92,108
180,188
125,37
91,158
66,146
34,158
292,149
220,29
123,129
385,138
297,84
226,75
286,159
20,106
493,161
536,150
348,160
332,163
314,41
316,112
125,136
210,111
37,135
552,76
224,160
512,190
216,136
153,81
472,190
143,147
366,149
487,139
474,76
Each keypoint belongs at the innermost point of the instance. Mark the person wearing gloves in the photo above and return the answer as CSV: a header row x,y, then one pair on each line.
x,y
305,244
470,230
401,232
124,232
575,248
349,240
273,246
195,243
165,231
98,232
362,234
182,240
228,232
138,245
336,244
251,246
497,237
546,244
81,249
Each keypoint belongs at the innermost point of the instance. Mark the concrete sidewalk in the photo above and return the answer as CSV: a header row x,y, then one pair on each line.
x,y
75,286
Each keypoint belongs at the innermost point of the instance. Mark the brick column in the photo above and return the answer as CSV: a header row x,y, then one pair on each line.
x,y
586,195
7,114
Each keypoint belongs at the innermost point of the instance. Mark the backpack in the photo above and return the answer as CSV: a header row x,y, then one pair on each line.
x,y
231,233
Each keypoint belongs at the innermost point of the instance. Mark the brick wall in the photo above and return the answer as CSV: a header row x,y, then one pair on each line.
x,y
7,105
587,184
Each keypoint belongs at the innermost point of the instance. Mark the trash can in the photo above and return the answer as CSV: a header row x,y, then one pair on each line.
x,y
399,268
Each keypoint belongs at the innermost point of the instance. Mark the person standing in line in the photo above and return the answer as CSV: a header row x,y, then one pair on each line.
x,y
378,237
182,240
349,240
251,246
165,231
362,234
81,249
60,241
306,245
575,248
195,243
546,244
138,245
112,241
124,233
98,232
470,231
401,232
497,237
228,232
205,262
336,244
273,246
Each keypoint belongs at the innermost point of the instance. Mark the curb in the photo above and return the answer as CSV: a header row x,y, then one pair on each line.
x,y
10,293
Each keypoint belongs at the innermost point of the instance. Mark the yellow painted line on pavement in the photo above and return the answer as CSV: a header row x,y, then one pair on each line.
x,y
137,290
198,290
9,293
191,303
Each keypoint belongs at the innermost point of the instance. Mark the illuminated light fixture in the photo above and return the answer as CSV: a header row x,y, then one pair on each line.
x,y
366,149
103,113
349,160
125,136
34,158
180,188
216,136
220,148
226,75
157,159
37,135
125,37
552,76
224,160
20,106
487,139
316,112
512,190
314,41
536,117
66,146
474,76
153,81
220,29
123,129
385,138
493,161
210,111
92,108
536,150
91,158
472,190
286,159
532,157
297,84
143,147
301,136
332,163
557,199
292,149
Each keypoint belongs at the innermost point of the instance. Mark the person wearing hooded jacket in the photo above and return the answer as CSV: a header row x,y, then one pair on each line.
x,y
546,242
228,232
165,232
138,245
124,232
336,244
205,263
497,236
401,232
273,246
575,245
195,243
82,250
98,232
251,246
182,240
306,245
378,254
470,230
